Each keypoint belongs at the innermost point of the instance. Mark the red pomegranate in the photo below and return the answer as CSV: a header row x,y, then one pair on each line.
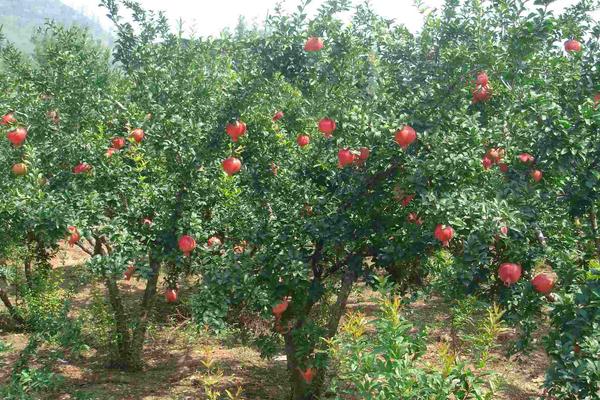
x,y
504,230
596,100
406,136
74,235
486,162
171,295
364,154
147,221
232,166
137,135
187,244
118,143
303,140
572,45
482,79
543,283
444,233
213,241
313,43
129,272
82,168
8,119
17,136
278,115
235,130
407,199
481,94
509,273
327,126
308,375
495,154
19,169
345,157
526,158
503,167
280,308
536,175
110,151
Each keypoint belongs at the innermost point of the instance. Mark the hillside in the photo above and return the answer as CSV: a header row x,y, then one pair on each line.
x,y
19,19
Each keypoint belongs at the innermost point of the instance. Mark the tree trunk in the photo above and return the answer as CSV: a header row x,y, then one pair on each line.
x,y
139,333
7,303
300,390
121,328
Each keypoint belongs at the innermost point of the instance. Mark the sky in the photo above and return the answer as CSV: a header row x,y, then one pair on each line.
x,y
209,17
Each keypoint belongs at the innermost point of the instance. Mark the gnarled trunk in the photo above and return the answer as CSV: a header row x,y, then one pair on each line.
x,y
7,303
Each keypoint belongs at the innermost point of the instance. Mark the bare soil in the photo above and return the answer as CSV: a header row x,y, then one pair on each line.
x,y
187,364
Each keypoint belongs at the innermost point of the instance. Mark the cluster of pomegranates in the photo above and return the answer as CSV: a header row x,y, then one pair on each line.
x,y
494,156
528,159
348,157
16,137
119,142
482,91
510,273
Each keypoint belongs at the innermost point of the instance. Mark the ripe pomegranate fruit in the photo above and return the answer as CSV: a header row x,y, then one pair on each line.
x,y
280,308
187,244
110,151
74,235
308,375
509,273
444,234
364,154
482,79
526,158
313,43
118,143
495,154
235,130
214,241
543,283
481,94
504,230
137,135
407,199
8,119
327,126
406,136
345,157
503,167
232,166
278,115
147,221
303,140
171,295
17,136
572,45
129,272
486,162
536,175
82,168
19,169
596,100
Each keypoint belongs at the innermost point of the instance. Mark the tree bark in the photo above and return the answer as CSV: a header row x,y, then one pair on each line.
x,y
300,390
7,303
139,333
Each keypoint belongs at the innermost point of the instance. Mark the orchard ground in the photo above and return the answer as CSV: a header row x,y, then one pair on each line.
x,y
181,363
